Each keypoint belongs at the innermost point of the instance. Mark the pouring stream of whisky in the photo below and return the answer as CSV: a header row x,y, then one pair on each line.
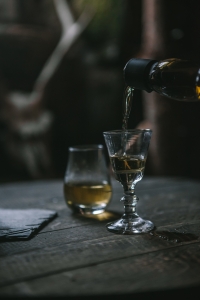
x,y
127,103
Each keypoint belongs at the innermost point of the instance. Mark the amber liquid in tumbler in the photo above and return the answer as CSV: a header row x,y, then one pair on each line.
x,y
87,194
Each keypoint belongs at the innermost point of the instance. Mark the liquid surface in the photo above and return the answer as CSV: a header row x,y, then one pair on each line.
x,y
87,194
128,169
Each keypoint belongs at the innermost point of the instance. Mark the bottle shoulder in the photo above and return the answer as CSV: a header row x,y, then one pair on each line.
x,y
175,78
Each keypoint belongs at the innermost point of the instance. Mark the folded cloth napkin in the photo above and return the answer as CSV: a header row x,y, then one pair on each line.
x,y
17,224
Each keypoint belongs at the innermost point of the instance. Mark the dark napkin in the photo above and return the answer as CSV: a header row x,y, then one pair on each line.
x,y
17,224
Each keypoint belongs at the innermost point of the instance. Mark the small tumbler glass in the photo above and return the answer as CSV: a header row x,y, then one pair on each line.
x,y
87,184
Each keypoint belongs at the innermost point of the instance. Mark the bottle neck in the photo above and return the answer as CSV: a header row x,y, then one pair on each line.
x,y
136,73
173,78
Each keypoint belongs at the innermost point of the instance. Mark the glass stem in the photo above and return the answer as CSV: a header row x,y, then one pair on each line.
x,y
130,201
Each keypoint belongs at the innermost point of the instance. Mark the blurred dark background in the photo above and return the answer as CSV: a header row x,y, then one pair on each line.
x,y
61,81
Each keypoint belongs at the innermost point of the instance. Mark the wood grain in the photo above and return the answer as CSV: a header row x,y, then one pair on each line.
x,y
75,256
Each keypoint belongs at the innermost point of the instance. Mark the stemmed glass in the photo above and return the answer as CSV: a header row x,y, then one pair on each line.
x,y
128,153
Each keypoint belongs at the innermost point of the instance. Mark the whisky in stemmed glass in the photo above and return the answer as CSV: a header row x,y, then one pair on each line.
x,y
128,153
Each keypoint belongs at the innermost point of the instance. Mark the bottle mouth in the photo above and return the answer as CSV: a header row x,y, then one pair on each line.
x,y
136,73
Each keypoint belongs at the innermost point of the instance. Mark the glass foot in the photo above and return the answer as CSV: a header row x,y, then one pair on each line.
x,y
136,226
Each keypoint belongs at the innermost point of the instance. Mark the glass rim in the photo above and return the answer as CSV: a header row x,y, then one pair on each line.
x,y
117,131
87,147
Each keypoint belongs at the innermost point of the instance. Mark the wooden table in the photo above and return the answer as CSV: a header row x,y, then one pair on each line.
x,y
77,256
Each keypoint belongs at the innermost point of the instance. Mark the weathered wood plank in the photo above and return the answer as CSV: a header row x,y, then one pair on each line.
x,y
79,229
72,243
159,201
162,207
160,270
58,254
48,192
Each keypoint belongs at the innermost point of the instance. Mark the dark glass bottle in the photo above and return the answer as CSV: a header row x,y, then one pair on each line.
x,y
174,78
